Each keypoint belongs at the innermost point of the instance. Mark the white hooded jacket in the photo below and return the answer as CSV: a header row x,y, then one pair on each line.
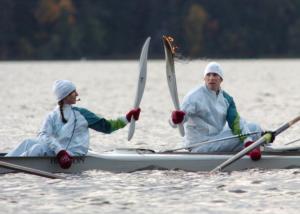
x,y
207,114
72,136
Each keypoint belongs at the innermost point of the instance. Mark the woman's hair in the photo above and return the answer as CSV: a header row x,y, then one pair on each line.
x,y
61,104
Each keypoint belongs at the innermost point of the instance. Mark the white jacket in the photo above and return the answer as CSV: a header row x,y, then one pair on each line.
x,y
207,114
72,136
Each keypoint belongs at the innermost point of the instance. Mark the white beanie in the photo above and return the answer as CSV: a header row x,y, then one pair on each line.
x,y
213,67
62,88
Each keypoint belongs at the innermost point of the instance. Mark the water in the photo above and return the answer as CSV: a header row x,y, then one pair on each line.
x,y
265,91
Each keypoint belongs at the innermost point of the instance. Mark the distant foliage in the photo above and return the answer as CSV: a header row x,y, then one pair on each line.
x,y
50,11
194,29
108,29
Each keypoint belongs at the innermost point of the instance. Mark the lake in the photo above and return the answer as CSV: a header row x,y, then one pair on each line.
x,y
265,92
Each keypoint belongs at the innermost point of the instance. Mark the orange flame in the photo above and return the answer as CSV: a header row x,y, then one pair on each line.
x,y
172,45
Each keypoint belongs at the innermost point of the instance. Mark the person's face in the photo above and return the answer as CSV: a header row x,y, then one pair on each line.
x,y
71,98
213,81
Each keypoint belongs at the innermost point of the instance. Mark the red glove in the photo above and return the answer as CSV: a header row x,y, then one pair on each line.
x,y
255,154
177,116
64,159
135,113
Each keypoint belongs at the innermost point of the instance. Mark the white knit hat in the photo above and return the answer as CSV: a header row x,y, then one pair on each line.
x,y
213,67
62,88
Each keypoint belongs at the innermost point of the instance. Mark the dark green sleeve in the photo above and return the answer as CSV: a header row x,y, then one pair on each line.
x,y
100,124
233,117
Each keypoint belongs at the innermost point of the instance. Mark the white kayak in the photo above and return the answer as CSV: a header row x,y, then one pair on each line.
x,y
129,160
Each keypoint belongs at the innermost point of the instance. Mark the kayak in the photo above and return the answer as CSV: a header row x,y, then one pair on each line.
x,y
135,159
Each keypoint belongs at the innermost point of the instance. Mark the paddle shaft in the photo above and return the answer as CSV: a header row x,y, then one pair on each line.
x,y
29,170
212,141
258,143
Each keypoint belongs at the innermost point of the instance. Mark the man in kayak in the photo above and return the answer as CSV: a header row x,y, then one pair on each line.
x,y
65,132
208,113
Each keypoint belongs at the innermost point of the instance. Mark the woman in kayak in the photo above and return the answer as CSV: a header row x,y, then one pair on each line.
x,y
65,132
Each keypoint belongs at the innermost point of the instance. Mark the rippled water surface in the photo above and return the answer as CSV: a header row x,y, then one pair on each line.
x,y
265,91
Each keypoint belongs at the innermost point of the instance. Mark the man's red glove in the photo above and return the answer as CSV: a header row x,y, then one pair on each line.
x,y
64,159
255,154
135,113
177,116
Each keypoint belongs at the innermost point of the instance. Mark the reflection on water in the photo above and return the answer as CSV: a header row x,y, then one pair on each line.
x,y
265,92
154,191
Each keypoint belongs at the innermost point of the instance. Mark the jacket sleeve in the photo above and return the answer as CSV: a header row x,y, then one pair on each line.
x,y
235,122
188,107
46,134
101,124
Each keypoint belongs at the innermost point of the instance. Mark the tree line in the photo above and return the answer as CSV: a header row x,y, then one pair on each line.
x,y
115,29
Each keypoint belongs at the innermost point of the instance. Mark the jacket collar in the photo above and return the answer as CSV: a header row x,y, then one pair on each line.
x,y
211,92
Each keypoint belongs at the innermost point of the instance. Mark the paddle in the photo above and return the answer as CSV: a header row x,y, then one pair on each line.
x,y
293,141
29,170
212,141
266,138
171,77
141,84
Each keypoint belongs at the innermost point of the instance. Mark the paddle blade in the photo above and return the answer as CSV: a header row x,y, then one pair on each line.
x,y
29,170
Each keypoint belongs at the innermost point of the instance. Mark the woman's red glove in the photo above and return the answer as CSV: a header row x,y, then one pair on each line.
x,y
64,159
135,113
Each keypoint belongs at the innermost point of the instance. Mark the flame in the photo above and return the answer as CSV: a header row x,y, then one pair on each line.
x,y
171,43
